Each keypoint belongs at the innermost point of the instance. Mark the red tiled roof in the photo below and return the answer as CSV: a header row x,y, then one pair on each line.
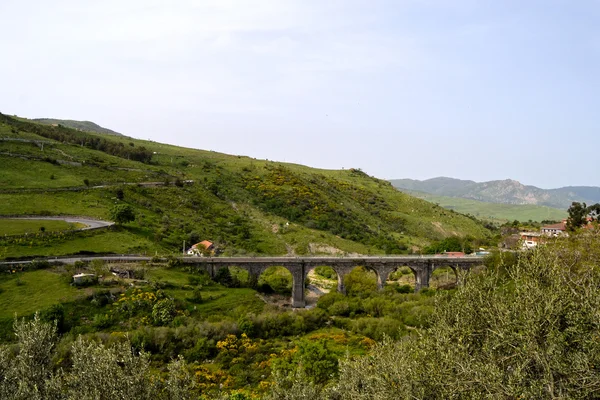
x,y
205,243
561,226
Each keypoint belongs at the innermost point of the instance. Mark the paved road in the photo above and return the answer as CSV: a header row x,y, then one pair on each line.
x,y
89,223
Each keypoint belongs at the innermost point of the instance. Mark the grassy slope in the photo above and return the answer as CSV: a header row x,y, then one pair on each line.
x,y
495,211
20,226
81,125
242,203
33,291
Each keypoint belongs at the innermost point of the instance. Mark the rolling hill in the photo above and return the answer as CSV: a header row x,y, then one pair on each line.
x,y
495,212
503,191
87,126
181,196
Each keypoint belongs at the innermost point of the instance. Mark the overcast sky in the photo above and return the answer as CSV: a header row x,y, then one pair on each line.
x,y
471,89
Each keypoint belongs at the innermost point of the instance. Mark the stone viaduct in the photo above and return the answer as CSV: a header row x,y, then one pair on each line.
x,y
421,266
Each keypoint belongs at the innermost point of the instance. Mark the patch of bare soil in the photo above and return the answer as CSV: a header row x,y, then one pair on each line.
x,y
320,248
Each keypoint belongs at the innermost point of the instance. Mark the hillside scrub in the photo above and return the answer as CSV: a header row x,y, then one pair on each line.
x,y
243,205
528,330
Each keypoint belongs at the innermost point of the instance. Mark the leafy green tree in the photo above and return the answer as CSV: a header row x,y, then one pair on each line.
x,y
224,277
26,376
122,213
593,211
107,372
163,311
179,383
577,215
318,362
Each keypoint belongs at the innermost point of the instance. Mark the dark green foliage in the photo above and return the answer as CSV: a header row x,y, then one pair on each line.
x,y
318,363
196,296
203,349
577,215
275,280
225,278
452,243
122,213
404,289
326,272
594,212
67,135
360,282
56,315
163,311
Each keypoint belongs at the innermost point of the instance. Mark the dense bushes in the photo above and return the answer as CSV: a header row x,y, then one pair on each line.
x,y
311,202
527,330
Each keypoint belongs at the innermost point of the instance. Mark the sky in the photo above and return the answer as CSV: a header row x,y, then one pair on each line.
x,y
470,89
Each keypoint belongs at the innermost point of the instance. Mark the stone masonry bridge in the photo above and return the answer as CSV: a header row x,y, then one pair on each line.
x,y
421,266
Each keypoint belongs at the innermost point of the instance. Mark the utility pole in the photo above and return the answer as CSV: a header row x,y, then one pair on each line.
x,y
183,248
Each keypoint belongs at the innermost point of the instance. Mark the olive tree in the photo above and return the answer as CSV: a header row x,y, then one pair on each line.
x,y
527,331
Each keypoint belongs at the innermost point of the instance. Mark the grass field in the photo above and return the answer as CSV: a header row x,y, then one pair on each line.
x,y
119,242
25,293
22,226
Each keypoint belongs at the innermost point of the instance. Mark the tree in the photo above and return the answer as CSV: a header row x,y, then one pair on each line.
x,y
224,277
26,375
577,215
122,213
593,211
317,361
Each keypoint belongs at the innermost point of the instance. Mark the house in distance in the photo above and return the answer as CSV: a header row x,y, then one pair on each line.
x,y
201,249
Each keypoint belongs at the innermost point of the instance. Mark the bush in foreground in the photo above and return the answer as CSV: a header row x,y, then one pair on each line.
x,y
529,331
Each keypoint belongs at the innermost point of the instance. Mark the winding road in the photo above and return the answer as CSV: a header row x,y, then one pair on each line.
x,y
89,223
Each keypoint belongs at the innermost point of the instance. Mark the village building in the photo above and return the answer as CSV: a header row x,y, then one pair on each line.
x,y
530,239
555,229
200,249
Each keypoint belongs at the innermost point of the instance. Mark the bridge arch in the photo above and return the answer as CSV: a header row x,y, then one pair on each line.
x,y
402,274
323,279
440,275
363,275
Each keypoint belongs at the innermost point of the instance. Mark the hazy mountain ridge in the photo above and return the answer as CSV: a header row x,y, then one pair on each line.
x,y
506,191
87,126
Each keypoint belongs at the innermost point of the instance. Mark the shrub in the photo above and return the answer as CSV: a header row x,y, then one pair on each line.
x,y
102,321
326,272
528,331
163,311
54,314
196,296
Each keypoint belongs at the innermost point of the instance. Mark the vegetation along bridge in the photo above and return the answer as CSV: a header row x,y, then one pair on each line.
x,y
421,266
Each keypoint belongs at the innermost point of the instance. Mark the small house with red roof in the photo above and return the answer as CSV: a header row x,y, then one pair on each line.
x,y
555,229
201,248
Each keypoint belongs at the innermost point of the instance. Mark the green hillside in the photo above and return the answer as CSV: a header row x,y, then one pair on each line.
x,y
244,205
80,125
495,211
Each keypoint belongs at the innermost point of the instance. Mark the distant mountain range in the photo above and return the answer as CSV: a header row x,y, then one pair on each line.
x,y
87,126
504,192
